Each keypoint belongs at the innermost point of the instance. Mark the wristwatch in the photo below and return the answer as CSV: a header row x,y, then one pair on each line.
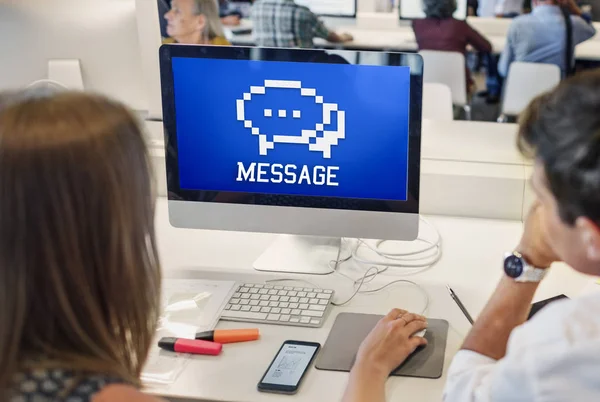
x,y
520,270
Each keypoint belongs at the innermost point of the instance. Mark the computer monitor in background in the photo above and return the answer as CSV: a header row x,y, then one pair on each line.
x,y
413,9
99,35
331,8
294,142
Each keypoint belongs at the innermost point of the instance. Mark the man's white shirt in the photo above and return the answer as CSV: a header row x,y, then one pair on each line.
x,y
555,357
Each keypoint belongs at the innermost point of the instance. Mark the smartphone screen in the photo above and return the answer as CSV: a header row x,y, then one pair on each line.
x,y
287,369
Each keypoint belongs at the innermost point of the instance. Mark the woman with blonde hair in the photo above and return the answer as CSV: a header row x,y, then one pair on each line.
x,y
195,22
79,272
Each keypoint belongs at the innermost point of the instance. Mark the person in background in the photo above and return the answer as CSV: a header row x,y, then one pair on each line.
x,y
229,15
80,279
195,22
283,23
500,8
441,31
556,355
540,37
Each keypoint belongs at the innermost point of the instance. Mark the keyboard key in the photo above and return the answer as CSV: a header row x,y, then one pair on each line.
x,y
296,312
313,301
302,294
236,296
294,305
246,296
282,293
314,321
303,306
316,307
259,285
272,292
255,297
268,287
276,310
228,307
244,302
311,295
236,307
273,304
295,319
246,308
263,291
245,315
288,288
234,301
308,289
263,303
255,309
253,291
265,297
275,298
284,318
323,296
254,302
309,313
273,317
285,298
244,290
286,311
294,299
328,291
304,300
265,310
284,305
318,290
324,302
292,293
305,320
279,287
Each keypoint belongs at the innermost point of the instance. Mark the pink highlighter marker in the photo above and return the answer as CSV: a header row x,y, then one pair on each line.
x,y
196,347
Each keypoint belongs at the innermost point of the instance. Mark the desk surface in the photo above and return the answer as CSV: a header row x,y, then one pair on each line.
x,y
374,35
471,264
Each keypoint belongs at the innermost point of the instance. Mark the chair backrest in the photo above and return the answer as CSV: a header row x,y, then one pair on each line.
x,y
446,68
526,81
437,102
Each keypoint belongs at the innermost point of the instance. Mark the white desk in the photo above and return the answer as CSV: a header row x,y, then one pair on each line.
x,y
471,264
402,39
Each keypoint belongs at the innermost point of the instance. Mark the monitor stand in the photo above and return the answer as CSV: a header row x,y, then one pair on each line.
x,y
300,255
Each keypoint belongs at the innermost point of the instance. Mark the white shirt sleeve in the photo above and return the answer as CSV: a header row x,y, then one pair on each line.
x,y
476,378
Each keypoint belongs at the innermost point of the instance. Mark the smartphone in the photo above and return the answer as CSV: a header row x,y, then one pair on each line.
x,y
536,307
286,371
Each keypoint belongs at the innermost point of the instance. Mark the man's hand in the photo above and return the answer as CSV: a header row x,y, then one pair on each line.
x,y
534,245
391,342
346,37
231,20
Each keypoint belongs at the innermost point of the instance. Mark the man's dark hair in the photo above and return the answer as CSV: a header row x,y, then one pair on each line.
x,y
440,9
561,129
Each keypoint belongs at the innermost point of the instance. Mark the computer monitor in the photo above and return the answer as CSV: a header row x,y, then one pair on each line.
x,y
331,8
293,141
413,9
101,35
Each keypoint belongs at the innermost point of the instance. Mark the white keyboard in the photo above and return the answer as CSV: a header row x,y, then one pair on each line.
x,y
280,305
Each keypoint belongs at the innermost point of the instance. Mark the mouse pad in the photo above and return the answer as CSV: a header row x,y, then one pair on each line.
x,y
349,330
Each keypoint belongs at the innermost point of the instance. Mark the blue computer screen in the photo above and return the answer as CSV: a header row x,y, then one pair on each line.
x,y
326,130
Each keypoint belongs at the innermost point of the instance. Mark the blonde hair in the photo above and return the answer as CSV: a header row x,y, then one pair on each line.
x,y
210,10
79,271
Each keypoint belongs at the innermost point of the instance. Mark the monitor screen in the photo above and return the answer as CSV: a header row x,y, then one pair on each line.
x,y
289,128
249,129
334,8
413,9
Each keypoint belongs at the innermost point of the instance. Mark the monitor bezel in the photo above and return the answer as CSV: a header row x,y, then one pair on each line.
x,y
339,15
175,193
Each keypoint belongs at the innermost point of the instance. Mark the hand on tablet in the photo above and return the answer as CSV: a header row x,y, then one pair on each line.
x,y
391,342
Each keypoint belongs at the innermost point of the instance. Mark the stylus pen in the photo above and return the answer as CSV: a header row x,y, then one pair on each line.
x,y
460,305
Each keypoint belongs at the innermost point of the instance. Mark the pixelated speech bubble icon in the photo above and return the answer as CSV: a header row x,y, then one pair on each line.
x,y
318,138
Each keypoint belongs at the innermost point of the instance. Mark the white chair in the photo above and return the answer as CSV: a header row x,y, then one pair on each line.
x,y
448,68
526,81
437,102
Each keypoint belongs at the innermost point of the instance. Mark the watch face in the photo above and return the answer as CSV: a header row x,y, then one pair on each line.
x,y
513,266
